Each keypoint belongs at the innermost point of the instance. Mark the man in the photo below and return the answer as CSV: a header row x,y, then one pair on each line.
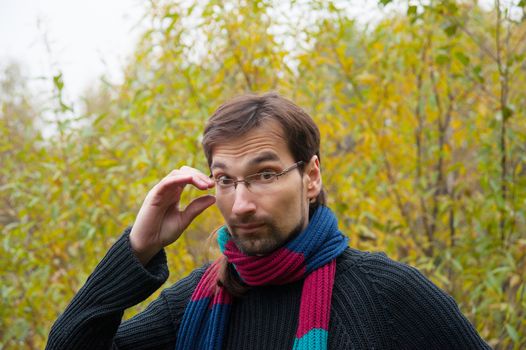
x,y
286,279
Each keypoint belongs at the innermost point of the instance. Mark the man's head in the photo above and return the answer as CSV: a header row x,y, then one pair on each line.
x,y
271,136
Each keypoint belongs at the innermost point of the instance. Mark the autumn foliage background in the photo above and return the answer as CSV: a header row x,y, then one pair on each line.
x,y
423,123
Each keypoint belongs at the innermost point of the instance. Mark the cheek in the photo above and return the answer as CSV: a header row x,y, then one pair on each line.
x,y
224,206
287,206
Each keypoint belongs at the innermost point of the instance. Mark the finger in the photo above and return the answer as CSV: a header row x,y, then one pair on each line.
x,y
196,207
179,181
200,178
189,170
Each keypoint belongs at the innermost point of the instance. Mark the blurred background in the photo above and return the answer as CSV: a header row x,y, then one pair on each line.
x,y
421,107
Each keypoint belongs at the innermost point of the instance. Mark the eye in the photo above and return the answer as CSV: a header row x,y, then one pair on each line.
x,y
224,180
266,175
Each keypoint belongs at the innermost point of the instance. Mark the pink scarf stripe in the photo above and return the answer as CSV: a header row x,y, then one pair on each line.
x,y
315,305
259,264
285,267
206,288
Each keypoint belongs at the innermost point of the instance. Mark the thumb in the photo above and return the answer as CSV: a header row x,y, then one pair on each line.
x,y
196,207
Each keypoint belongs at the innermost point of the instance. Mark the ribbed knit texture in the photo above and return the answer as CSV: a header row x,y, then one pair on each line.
x,y
377,303
118,282
311,254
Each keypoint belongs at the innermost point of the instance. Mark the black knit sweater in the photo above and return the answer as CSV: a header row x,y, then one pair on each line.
x,y
377,303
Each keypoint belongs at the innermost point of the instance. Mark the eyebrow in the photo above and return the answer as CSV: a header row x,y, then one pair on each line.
x,y
260,158
264,157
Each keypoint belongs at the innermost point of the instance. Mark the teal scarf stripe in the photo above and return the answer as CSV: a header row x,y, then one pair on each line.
x,y
316,339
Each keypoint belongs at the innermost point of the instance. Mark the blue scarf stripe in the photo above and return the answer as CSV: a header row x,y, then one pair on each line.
x,y
319,234
217,328
333,248
321,225
192,323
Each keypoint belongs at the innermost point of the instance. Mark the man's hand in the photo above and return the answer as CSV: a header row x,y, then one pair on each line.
x,y
159,221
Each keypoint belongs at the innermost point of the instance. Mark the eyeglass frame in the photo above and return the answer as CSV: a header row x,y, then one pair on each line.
x,y
248,182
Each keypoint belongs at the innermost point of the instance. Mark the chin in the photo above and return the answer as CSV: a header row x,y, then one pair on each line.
x,y
256,248
264,242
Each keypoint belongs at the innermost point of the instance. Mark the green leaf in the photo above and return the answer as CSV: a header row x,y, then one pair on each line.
x,y
385,2
462,58
442,58
451,29
507,112
58,81
477,71
411,10
512,332
452,7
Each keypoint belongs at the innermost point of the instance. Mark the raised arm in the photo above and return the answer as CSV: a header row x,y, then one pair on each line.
x,y
134,267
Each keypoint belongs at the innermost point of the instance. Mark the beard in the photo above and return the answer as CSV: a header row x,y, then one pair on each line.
x,y
267,239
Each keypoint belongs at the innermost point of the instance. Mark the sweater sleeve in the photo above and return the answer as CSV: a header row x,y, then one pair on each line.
x,y
158,325
118,282
421,315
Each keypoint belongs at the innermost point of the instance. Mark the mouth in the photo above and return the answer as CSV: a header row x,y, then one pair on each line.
x,y
247,227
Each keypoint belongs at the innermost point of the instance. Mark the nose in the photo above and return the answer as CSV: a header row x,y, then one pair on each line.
x,y
243,201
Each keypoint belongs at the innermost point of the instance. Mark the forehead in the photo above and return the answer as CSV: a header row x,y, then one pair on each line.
x,y
264,143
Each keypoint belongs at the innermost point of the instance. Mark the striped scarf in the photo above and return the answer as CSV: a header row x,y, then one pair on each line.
x,y
311,255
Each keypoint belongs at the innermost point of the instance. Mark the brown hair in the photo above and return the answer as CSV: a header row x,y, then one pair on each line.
x,y
247,112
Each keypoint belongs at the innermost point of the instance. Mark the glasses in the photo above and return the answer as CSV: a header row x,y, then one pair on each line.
x,y
255,183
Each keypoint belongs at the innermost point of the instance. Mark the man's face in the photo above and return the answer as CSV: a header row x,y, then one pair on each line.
x,y
262,222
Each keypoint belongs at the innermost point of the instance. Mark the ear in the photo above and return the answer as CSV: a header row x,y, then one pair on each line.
x,y
312,175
